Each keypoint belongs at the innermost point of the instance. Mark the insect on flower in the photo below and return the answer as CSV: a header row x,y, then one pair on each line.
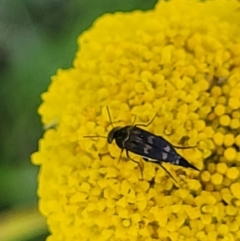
x,y
150,147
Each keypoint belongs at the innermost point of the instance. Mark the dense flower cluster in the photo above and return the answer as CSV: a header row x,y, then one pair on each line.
x,y
181,61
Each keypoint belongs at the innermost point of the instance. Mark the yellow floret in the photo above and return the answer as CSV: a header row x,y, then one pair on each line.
x,y
230,153
229,140
235,189
218,138
224,120
200,124
126,223
179,61
231,210
232,173
217,179
234,103
220,110
222,168
237,140
205,176
216,91
222,229
235,123
233,226
222,100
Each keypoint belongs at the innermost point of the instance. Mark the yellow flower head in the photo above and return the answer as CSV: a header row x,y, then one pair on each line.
x,y
180,61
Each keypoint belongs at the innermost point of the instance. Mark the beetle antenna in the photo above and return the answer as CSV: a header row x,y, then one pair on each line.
x,y
110,118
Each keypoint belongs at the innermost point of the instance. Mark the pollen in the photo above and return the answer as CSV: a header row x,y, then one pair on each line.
x,y
179,61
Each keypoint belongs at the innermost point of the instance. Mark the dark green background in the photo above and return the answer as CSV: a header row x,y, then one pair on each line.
x,y
36,38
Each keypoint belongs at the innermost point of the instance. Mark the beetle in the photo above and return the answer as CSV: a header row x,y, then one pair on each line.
x,y
152,148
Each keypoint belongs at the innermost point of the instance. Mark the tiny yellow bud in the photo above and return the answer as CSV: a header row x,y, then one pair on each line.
x,y
222,168
235,114
210,227
224,120
222,229
209,131
231,210
233,226
194,184
184,231
234,92
228,140
235,189
199,125
226,89
226,182
205,176
238,157
216,179
216,91
218,138
219,110
199,200
210,199
201,236
126,222
230,153
234,123
206,219
211,116
232,173
206,209
226,195
237,140
163,233
217,196
212,235
222,100
211,167
209,187
234,103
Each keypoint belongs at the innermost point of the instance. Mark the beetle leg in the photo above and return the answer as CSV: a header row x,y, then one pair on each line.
x,y
140,167
149,123
160,164
120,156
183,147
135,117
169,174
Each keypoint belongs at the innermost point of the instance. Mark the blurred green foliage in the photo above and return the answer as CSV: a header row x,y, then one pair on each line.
x,y
36,38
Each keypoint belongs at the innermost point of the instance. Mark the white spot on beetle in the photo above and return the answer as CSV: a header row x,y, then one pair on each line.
x,y
177,161
146,149
167,148
164,156
150,139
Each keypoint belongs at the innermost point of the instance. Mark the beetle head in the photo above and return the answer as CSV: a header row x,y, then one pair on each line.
x,y
112,134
